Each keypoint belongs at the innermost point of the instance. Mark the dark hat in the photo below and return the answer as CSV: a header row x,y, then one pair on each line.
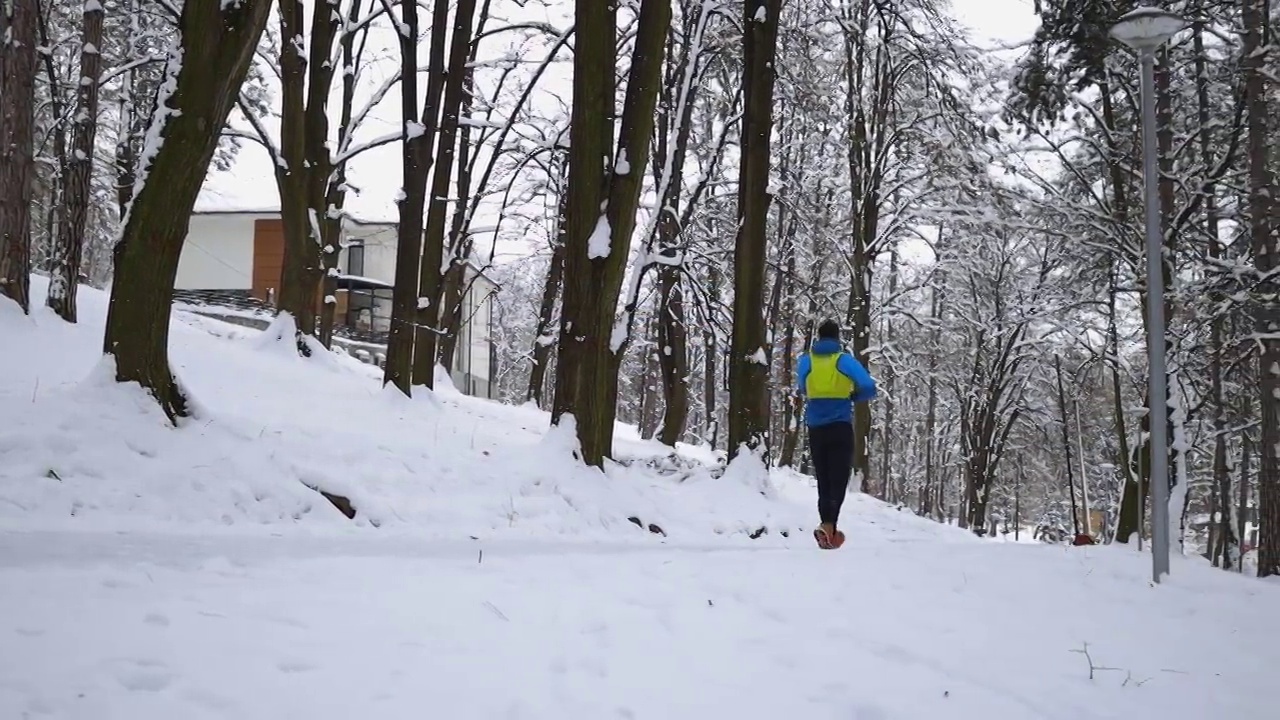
x,y
829,329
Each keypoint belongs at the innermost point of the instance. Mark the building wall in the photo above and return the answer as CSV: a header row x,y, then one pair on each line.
x,y
379,263
379,251
218,253
243,251
471,367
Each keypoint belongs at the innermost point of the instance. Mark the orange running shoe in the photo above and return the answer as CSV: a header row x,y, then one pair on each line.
x,y
822,537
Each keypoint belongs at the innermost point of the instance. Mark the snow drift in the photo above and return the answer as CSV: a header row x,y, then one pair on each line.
x,y
271,431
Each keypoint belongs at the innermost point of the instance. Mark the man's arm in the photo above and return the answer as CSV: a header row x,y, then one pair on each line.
x,y
802,373
849,366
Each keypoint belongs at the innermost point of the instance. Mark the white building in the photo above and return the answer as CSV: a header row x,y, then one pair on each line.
x,y
242,252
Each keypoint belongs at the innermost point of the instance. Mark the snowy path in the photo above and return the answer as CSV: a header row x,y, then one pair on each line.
x,y
148,573
243,626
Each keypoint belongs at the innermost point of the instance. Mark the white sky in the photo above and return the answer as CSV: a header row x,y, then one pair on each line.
x,y
250,185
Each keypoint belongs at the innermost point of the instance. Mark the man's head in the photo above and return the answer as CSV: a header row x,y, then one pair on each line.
x,y
829,330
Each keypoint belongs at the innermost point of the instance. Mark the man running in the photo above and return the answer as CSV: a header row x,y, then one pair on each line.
x,y
831,381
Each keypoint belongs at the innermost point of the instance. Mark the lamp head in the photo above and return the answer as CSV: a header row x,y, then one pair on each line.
x,y
1147,28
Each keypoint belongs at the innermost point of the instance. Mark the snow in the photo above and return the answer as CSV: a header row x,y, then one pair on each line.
x,y
154,137
601,240
153,572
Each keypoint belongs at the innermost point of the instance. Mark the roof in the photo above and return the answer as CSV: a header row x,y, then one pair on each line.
x,y
275,211
356,282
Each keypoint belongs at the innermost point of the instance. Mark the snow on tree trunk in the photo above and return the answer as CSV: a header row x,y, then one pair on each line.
x,y
78,172
591,340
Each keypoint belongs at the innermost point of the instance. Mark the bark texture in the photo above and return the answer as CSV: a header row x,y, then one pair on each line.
x,y
78,171
204,76
17,88
748,368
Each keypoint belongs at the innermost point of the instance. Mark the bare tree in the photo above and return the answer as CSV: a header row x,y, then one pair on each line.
x,y
430,274
203,77
78,172
748,363
1264,233
604,191
17,87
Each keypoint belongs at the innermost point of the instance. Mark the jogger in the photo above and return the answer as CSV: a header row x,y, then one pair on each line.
x,y
831,381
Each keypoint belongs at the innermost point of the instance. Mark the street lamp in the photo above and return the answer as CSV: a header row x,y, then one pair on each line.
x,y
1145,29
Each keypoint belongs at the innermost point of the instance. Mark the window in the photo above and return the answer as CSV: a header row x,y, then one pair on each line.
x,y
355,258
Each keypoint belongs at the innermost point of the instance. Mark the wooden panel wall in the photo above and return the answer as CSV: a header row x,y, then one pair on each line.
x,y
268,264
268,257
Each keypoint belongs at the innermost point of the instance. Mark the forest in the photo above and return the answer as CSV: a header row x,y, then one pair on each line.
x,y
694,185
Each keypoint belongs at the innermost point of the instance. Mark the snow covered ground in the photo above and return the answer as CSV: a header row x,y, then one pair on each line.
x,y
153,573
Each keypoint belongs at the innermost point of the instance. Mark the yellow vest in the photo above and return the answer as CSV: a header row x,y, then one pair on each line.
x,y
825,381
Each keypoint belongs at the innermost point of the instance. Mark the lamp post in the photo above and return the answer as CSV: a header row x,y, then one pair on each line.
x,y
1144,30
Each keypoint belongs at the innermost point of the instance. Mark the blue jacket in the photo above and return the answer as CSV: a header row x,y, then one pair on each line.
x,y
824,411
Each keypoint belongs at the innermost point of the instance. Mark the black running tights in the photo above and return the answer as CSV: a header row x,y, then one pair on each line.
x,y
831,447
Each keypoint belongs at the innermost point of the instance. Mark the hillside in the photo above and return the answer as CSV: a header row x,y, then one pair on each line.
x,y
152,572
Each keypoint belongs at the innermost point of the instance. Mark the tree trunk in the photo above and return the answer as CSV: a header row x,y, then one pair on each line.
x,y
1264,232
544,341
454,285
1242,509
792,402
650,375
1223,545
64,280
300,266
598,239
419,132
1066,446
430,318
310,238
710,355
324,219
332,222
673,354
204,75
126,161
748,368
933,486
1133,494
17,169
890,378
460,242
590,141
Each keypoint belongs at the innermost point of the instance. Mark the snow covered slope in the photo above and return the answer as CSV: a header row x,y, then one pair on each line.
x,y
150,573
79,450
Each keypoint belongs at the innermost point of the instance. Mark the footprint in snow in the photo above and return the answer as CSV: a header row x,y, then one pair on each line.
x,y
294,666
209,700
144,676
157,619
287,622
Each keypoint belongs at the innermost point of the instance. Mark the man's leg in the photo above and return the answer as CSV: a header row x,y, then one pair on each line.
x,y
825,469
822,469
840,450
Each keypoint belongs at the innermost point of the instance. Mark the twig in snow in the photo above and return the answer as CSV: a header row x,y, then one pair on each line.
x,y
1094,669
496,611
